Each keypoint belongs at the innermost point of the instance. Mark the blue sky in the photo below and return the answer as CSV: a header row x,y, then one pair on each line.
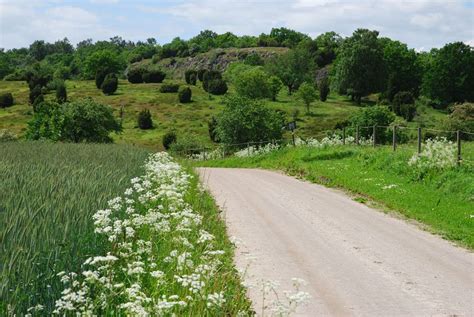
x,y
422,24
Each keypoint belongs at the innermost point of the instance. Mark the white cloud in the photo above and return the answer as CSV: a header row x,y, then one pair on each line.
x,y
103,1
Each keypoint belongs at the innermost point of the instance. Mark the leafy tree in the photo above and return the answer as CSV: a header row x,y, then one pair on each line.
x,y
360,66
205,40
253,83
226,40
370,116
47,122
110,84
274,86
307,93
104,60
253,59
462,118
6,100
402,98
234,70
293,68
324,89
168,139
327,48
286,37
144,120
245,120
61,93
184,94
38,75
213,83
39,50
35,93
450,75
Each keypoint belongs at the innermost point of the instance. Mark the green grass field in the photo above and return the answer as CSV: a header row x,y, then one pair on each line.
x,y
443,201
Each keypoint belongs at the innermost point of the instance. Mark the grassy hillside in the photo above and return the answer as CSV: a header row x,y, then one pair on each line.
x,y
443,200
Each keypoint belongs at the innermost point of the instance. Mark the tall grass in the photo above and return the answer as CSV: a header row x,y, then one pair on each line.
x,y
48,193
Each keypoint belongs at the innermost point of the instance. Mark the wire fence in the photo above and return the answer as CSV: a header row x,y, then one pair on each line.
x,y
374,136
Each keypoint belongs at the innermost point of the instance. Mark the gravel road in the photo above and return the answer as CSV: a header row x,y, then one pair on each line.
x,y
357,261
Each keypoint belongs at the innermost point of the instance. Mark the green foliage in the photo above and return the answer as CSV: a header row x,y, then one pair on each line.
x,y
153,75
245,120
200,73
307,93
144,120
62,73
169,88
368,117
47,122
403,104
253,59
103,60
212,128
274,87
360,67
6,100
110,84
38,75
462,118
134,75
408,111
213,83
184,94
328,45
293,68
253,83
169,138
99,77
35,93
324,89
234,70
190,76
449,76
187,145
7,136
61,93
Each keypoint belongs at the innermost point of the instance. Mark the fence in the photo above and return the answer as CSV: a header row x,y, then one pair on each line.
x,y
361,135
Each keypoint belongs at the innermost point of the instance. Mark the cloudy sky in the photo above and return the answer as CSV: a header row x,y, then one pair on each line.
x,y
422,24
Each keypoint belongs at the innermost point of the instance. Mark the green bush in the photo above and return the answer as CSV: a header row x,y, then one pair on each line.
x,y
212,128
62,73
324,89
61,93
245,120
253,83
253,59
144,120
134,75
35,93
274,86
6,100
153,76
462,118
188,74
184,94
193,79
7,136
99,78
110,84
408,111
370,116
168,139
217,87
200,73
187,145
169,88
307,93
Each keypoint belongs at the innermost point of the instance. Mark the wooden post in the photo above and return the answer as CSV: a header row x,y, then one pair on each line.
x,y
419,141
357,135
458,139
373,134
293,138
344,136
205,155
394,138
248,149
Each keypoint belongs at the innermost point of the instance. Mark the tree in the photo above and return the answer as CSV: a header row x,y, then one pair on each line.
x,y
253,83
327,47
184,94
370,116
360,66
293,68
6,100
103,60
144,120
253,59
450,75
307,93
61,93
462,118
35,93
286,37
324,89
110,84
245,120
169,139
274,86
213,83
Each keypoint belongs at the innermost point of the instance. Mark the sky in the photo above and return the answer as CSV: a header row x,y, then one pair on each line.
x,y
422,24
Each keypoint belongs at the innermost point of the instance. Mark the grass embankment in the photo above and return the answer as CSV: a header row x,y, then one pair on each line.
x,y
444,201
49,194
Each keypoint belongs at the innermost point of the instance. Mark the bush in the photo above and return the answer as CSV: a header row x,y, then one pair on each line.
x,y
274,86
324,89
212,127
153,76
110,84
253,59
368,117
188,75
253,83
184,94
134,75
217,87
99,78
169,87
246,120
200,73
62,73
6,100
38,101
35,93
169,139
186,145
403,104
61,93
462,118
307,93
408,111
7,136
144,120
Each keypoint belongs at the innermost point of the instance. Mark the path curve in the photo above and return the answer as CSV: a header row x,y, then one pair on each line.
x,y
357,261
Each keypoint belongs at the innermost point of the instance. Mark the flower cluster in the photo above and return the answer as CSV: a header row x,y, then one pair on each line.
x,y
160,259
254,150
437,154
207,155
329,141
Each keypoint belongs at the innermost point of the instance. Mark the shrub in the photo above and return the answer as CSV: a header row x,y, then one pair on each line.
x,y
61,93
187,76
324,89
144,120
193,79
110,84
253,83
38,101
212,127
307,93
217,87
62,73
35,93
246,120
6,100
7,136
168,139
408,111
368,117
274,86
169,87
99,78
253,59
200,73
462,118
184,94
187,145
134,75
153,76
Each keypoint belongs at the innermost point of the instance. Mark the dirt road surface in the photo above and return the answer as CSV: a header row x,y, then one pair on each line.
x,y
357,261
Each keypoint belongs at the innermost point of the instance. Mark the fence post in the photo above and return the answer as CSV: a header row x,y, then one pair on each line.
x,y
223,152
248,149
293,138
458,139
394,138
419,140
205,159
344,136
357,135
373,134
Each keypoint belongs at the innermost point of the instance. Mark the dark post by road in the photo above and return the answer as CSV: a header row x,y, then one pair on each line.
x,y
344,136
293,138
419,141
373,134
458,139
357,135
394,138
